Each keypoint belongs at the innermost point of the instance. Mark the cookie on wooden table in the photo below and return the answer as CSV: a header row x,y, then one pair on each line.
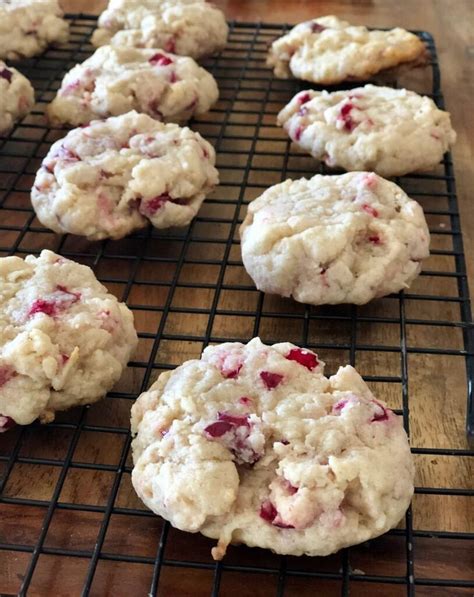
x,y
116,80
328,50
253,444
334,239
64,339
187,27
115,176
389,131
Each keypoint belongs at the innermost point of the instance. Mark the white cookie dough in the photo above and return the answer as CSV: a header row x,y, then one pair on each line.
x,y
64,340
116,80
389,131
253,444
17,97
328,51
115,176
28,27
334,239
186,27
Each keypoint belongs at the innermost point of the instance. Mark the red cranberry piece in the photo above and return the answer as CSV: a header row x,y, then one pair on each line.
x,y
370,210
160,59
303,357
151,206
382,415
42,306
6,373
375,239
237,420
298,133
170,45
64,358
285,442
245,401
268,511
291,489
232,374
344,115
303,98
281,525
173,77
6,74
339,405
317,28
66,154
218,428
271,380
6,423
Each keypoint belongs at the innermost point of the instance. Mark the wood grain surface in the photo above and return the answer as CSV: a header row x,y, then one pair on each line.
x,y
437,386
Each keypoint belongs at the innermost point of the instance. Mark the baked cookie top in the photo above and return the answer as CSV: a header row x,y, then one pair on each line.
x,y
334,239
114,176
115,80
186,27
253,444
328,50
27,27
64,340
17,97
389,131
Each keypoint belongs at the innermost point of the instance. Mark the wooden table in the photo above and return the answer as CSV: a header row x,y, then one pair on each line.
x,y
437,390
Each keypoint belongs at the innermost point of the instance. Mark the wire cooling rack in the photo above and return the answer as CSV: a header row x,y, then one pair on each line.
x,y
70,522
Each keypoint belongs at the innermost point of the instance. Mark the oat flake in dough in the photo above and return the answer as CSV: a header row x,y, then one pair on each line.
x,y
389,131
334,239
328,50
115,80
253,444
17,97
186,27
115,176
64,340
28,27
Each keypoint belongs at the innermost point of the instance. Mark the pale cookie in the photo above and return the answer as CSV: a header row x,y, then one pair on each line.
x,y
334,239
17,97
389,131
253,444
116,80
64,340
189,28
328,51
114,176
28,27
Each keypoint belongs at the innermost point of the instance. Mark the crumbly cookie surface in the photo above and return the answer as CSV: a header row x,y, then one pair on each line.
x,y
328,50
64,340
389,131
253,444
334,239
189,28
28,27
17,97
115,80
114,176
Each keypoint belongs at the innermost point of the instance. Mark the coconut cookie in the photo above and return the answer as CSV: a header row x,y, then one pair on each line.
x,y
328,51
253,444
188,28
28,27
115,176
334,239
64,340
389,131
17,97
116,80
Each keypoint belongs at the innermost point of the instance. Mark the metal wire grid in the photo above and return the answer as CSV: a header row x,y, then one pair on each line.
x,y
201,266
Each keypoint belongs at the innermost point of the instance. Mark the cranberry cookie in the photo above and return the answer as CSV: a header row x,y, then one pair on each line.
x,y
328,51
64,340
334,239
17,97
389,131
253,444
185,27
116,80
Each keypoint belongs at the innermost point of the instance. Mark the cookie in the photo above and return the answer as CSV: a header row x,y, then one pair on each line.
x,y
115,176
189,28
328,51
115,80
334,239
64,340
389,131
17,97
28,27
253,444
